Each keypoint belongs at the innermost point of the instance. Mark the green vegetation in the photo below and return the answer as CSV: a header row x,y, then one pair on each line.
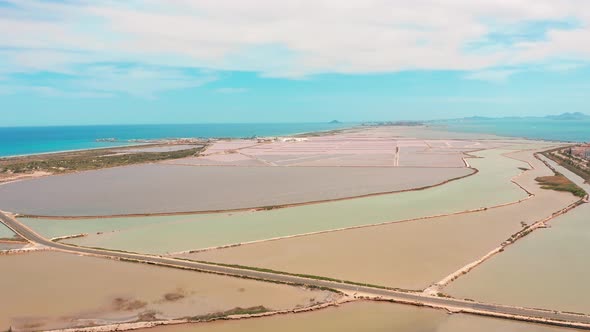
x,y
86,160
232,312
569,164
559,182
308,276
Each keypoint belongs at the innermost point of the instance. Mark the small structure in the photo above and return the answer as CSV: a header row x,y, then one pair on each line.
x,y
581,151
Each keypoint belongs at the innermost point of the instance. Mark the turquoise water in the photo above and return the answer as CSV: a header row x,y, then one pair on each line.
x,y
31,140
537,128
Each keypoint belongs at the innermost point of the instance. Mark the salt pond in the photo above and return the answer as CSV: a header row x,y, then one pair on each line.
x,y
46,290
365,316
162,188
410,255
547,269
491,186
5,232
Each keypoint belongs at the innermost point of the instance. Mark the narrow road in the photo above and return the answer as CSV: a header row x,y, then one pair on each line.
x,y
455,305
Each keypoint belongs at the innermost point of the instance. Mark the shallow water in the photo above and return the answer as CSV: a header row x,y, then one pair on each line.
x,y
550,263
410,255
366,316
547,269
5,232
57,289
491,186
158,188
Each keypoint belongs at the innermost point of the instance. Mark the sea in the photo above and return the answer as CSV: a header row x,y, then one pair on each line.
x,y
16,141
33,140
534,128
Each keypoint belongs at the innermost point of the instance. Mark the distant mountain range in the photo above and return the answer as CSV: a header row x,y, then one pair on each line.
x,y
564,116
569,116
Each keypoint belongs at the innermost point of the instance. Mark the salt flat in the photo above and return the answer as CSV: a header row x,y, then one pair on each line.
x,y
83,290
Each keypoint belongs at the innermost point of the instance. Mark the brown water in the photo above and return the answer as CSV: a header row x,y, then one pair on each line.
x,y
366,316
547,269
46,290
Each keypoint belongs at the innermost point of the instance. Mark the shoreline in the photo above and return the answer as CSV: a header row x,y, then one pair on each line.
x,y
159,141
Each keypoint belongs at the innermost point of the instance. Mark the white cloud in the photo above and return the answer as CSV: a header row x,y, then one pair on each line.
x,y
109,80
292,39
139,81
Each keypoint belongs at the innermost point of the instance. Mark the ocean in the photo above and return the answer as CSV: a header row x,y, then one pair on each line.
x,y
32,140
535,128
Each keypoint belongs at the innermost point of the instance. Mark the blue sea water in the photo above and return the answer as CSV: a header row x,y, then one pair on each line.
x,y
31,140
535,128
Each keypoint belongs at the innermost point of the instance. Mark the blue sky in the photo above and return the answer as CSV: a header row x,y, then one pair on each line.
x,y
156,61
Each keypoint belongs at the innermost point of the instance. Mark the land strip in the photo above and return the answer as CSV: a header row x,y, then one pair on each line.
x,y
22,167
569,162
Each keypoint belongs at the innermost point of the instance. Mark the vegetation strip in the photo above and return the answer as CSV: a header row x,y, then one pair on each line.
x,y
67,162
559,182
567,164
308,276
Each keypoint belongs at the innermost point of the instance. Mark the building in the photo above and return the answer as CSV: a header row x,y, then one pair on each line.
x,y
581,151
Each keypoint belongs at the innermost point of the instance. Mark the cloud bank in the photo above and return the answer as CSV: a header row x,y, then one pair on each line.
x,y
171,43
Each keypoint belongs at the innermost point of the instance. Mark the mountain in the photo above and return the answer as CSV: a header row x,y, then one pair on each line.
x,y
569,116
334,122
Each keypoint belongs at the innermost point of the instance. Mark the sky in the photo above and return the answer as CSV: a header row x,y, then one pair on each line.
x,y
183,61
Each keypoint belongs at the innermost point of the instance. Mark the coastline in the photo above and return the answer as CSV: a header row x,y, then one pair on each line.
x,y
74,150
127,143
